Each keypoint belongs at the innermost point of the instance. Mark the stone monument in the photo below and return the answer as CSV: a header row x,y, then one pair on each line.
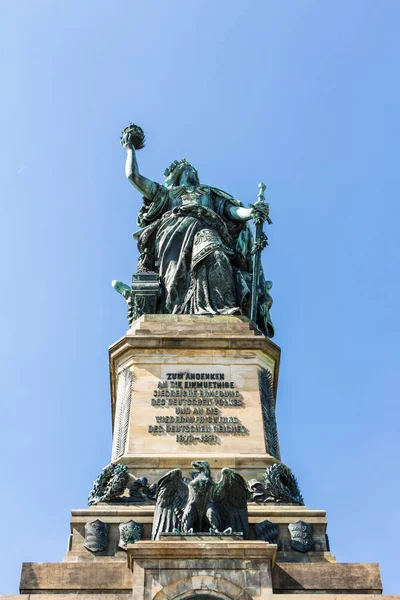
x,y
196,501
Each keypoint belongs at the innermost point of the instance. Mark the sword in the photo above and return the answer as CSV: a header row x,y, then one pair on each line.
x,y
260,215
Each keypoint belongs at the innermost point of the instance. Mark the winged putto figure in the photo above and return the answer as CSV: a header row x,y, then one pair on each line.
x,y
201,504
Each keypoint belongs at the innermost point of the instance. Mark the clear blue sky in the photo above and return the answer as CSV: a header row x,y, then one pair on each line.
x,y
301,94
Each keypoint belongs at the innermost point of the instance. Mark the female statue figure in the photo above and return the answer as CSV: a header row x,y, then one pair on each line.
x,y
197,239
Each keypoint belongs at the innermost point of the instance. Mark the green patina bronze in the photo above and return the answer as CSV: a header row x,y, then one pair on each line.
x,y
197,251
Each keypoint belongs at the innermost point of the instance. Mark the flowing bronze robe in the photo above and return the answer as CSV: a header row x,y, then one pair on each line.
x,y
203,257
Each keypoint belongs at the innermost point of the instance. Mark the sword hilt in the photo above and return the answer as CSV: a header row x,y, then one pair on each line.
x,y
260,204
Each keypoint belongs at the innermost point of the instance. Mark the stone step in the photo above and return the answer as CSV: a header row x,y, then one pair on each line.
x,y
192,325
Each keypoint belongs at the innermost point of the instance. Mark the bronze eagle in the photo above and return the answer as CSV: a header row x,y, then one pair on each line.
x,y
201,505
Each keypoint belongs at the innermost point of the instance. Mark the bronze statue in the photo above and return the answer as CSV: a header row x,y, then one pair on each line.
x,y
196,241
201,505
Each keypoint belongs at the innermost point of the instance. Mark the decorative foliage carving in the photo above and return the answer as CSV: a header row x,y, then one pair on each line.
x,y
280,485
260,244
301,535
122,412
129,533
265,382
112,482
96,536
109,485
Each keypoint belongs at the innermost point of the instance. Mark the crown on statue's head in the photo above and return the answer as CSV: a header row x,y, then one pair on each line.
x,y
174,165
175,169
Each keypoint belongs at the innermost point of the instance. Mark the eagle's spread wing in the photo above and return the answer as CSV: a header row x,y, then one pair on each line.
x,y
171,499
230,499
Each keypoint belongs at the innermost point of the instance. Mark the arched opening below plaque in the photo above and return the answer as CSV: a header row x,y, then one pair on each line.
x,y
204,587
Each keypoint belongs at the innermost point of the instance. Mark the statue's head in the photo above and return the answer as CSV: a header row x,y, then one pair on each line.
x,y
181,173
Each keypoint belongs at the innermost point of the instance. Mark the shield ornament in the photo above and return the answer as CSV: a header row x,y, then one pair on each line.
x,y
96,536
301,535
129,533
267,531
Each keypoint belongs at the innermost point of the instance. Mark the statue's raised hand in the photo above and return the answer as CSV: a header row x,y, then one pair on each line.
x,y
133,136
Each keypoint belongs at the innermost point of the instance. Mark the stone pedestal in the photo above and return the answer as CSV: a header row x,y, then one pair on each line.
x,y
190,388
187,387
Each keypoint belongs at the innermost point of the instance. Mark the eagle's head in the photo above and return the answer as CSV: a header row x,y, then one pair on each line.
x,y
202,466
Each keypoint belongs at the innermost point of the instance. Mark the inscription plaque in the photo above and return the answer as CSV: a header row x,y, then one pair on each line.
x,y
185,407
197,400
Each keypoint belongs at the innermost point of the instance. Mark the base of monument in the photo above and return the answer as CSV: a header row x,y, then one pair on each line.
x,y
227,569
188,388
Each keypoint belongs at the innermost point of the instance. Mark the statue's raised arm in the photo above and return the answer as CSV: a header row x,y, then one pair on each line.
x,y
132,139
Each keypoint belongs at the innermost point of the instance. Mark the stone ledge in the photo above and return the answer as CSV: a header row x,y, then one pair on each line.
x,y
219,460
166,550
230,342
128,596
287,512
327,577
288,578
68,596
178,324
193,331
340,596
75,577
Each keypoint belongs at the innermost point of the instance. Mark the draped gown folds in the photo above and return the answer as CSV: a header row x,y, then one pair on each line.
x,y
203,258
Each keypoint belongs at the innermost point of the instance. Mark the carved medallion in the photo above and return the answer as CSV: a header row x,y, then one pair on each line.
x,y
96,536
129,533
301,535
267,531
